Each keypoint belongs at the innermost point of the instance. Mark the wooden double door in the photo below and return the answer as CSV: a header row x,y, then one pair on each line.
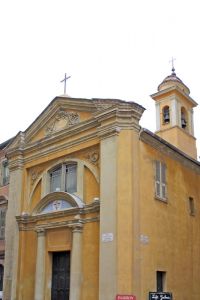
x,y
60,275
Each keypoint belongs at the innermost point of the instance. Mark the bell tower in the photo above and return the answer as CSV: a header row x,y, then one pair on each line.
x,y
174,114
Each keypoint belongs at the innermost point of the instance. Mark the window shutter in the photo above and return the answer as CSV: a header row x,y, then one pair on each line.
x,y
163,174
160,180
158,177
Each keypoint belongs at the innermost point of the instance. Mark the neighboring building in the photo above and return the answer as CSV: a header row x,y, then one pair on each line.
x,y
99,207
4,184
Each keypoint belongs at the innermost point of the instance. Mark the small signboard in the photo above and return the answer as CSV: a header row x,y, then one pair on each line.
x,y
107,237
160,296
125,297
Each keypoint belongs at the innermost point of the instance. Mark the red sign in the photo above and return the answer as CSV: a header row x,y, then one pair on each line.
x,y
125,297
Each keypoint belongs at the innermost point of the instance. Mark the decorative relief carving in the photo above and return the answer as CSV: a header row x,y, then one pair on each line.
x,y
101,104
93,156
62,120
35,173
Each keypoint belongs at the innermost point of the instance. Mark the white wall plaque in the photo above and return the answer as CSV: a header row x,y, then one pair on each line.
x,y
144,239
107,237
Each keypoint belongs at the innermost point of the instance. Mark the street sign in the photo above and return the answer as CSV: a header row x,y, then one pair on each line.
x,y
125,297
160,296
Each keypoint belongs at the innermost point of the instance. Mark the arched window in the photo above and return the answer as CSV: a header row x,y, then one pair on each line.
x,y
166,115
56,205
64,178
57,201
183,118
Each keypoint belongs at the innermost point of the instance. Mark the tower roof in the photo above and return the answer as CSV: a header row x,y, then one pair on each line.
x,y
173,80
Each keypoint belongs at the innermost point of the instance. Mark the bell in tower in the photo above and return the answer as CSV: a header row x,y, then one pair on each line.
x,y
183,118
166,116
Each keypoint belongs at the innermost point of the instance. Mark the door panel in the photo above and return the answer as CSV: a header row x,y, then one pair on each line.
x,y
60,275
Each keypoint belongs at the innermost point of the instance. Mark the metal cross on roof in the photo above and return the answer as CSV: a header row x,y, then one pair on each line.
x,y
172,62
65,81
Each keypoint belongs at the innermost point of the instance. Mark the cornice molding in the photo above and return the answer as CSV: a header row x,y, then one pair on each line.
x,y
116,117
41,228
28,222
163,146
172,89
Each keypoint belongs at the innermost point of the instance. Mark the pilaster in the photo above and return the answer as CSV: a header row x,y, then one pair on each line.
x,y
108,218
12,232
157,116
40,265
174,112
76,263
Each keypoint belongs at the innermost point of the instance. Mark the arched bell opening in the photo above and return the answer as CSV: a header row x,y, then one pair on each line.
x,y
183,118
166,115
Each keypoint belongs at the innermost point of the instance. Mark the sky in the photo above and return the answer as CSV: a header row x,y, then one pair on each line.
x,y
110,48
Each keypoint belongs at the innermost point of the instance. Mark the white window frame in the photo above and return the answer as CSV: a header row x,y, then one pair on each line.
x,y
160,180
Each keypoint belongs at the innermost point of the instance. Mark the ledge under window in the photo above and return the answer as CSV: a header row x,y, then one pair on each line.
x,y
165,200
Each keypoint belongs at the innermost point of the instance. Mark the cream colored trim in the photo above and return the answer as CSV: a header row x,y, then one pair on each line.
x,y
74,200
174,112
76,263
155,95
40,265
192,121
158,112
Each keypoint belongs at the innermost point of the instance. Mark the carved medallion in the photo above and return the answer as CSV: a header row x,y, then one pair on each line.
x,y
62,120
93,156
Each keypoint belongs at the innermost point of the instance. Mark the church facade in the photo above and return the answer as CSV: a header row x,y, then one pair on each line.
x,y
100,208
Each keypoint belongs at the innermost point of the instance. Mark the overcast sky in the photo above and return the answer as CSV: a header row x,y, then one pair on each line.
x,y
111,48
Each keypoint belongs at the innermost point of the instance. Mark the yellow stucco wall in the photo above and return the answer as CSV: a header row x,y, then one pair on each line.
x,y
90,258
173,234
180,139
91,187
26,270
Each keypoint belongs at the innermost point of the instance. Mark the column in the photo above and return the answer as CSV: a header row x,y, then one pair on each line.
x,y
40,265
76,263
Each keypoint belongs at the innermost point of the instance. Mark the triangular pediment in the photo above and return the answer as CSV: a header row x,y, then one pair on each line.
x,y
66,115
61,114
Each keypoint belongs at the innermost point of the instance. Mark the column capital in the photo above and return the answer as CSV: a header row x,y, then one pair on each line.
x,y
77,228
40,231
